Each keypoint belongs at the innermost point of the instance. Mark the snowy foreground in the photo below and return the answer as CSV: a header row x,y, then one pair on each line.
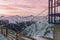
x,y
4,38
41,30
37,38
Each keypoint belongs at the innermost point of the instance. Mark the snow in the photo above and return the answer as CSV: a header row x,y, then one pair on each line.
x,y
13,19
49,36
40,38
2,37
35,30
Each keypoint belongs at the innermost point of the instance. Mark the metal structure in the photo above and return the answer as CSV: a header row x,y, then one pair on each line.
x,y
54,17
54,13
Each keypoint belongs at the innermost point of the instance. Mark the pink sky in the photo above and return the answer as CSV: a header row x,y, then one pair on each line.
x,y
22,7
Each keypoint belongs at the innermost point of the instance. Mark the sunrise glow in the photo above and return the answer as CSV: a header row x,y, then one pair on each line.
x,y
22,7
2,11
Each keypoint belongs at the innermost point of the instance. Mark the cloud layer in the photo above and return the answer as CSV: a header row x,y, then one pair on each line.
x,y
22,7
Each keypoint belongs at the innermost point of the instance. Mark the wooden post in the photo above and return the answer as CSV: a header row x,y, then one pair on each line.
x,y
1,30
6,32
17,36
56,32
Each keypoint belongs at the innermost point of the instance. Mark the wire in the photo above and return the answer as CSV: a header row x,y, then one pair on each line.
x,y
40,13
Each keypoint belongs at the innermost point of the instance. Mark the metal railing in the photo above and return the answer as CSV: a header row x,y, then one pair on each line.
x,y
12,35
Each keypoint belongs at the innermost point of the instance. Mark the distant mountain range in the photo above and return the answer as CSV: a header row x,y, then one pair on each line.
x,y
14,19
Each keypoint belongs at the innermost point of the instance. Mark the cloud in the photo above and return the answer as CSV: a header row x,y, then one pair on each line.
x,y
21,7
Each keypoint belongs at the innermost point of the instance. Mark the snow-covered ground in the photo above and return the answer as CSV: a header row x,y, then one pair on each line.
x,y
38,30
37,38
2,37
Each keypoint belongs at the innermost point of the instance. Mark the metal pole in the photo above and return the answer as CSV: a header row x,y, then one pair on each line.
x,y
55,10
49,10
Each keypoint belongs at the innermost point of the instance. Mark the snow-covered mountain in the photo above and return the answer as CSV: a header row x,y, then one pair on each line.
x,y
14,19
35,30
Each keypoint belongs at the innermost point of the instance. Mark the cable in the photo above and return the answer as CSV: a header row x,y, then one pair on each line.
x,y
40,13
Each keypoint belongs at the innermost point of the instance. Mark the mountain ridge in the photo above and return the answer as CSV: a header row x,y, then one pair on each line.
x,y
17,18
